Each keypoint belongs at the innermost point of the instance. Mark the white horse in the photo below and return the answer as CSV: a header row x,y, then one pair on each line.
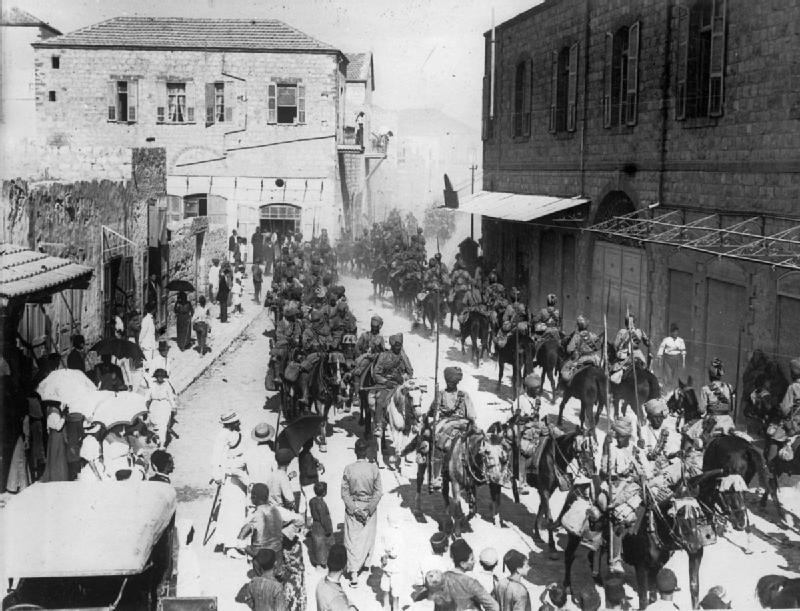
x,y
404,414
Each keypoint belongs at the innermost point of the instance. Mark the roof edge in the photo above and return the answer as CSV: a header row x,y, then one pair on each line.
x,y
53,45
523,15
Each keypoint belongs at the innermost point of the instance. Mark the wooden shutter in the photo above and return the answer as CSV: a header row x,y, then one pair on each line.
x,y
161,104
112,100
572,89
553,90
210,104
133,101
485,114
717,68
683,61
609,59
190,101
272,103
633,74
301,103
239,88
229,92
526,99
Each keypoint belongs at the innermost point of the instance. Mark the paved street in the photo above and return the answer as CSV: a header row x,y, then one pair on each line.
x,y
236,380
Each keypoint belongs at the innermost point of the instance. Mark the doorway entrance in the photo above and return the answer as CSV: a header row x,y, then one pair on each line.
x,y
280,219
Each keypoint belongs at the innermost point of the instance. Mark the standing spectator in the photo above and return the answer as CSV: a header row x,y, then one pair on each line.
x,y
213,280
263,592
360,128
202,325
672,357
260,457
667,584
183,315
460,587
55,468
147,334
281,491
257,240
330,594
151,294
268,253
486,575
361,493
93,468
228,473
162,464
233,247
161,360
511,593
223,292
76,358
309,470
615,594
236,292
258,278
161,405
320,537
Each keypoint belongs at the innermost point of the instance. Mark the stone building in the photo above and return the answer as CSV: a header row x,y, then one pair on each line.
x,y
643,156
250,112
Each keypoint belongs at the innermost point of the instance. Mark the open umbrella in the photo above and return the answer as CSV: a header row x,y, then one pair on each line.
x,y
89,402
69,386
180,285
296,434
118,347
119,408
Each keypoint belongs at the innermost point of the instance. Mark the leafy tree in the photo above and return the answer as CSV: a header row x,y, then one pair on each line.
x,y
439,223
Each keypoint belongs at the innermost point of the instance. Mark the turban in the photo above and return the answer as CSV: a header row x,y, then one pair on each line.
x,y
794,367
453,375
655,407
532,381
376,320
622,426
396,339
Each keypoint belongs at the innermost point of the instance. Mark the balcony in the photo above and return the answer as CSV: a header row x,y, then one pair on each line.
x,y
375,147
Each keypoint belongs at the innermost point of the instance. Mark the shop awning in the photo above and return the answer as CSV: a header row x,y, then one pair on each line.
x,y
745,240
516,206
26,273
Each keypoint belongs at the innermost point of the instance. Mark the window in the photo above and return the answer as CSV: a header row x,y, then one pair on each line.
x,y
51,95
122,101
55,62
219,108
487,130
176,103
522,99
195,205
701,59
564,90
286,104
620,86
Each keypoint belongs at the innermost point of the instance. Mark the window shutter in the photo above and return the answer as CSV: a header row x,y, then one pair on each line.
x,y
272,103
112,100
133,100
230,100
683,61
485,124
301,103
633,74
553,90
161,96
717,68
526,105
190,101
572,88
609,58
209,104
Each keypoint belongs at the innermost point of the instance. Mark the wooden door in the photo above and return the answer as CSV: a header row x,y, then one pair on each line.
x,y
548,271
569,298
619,283
725,308
788,328
679,312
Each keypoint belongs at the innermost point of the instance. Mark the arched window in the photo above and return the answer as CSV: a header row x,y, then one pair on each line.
x,y
564,89
522,99
701,59
620,95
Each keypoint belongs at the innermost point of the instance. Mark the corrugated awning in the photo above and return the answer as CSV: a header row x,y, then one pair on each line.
x,y
26,272
745,240
516,206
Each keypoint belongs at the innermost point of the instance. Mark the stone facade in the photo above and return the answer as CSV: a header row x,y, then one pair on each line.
x,y
737,161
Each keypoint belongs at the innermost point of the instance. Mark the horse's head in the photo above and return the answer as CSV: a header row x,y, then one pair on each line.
x,y
686,514
411,392
683,400
729,497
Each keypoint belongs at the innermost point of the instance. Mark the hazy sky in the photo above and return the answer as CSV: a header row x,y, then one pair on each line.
x,y
428,53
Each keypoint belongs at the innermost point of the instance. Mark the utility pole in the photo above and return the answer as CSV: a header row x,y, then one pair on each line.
x,y
472,169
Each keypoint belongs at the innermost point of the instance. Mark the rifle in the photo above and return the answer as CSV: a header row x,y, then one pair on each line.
x,y
735,393
212,515
435,396
633,365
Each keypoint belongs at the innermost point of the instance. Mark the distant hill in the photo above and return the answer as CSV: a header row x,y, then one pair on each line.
x,y
410,122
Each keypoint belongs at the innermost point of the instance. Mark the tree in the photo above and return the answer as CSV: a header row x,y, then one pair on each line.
x,y
439,223
411,223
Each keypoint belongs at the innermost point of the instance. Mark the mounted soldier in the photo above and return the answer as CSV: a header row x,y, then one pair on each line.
x,y
784,429
661,444
460,280
629,339
494,296
547,324
316,342
391,369
515,318
530,429
472,301
716,402
342,322
288,333
584,349
368,346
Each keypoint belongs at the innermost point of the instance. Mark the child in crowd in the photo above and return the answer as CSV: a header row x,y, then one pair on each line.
x,y
320,536
485,574
236,296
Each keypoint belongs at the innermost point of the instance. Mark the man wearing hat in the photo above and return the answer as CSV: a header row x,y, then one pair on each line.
x,y
228,472
584,349
629,339
789,412
316,341
485,572
460,586
547,323
667,586
660,443
391,369
615,594
288,333
263,592
716,400
368,346
361,492
259,455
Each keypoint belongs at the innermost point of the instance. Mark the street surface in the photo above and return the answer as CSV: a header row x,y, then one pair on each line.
x,y
236,381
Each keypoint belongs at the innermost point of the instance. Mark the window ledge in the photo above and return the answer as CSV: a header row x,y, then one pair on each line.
x,y
522,138
122,122
620,130
176,122
699,122
563,135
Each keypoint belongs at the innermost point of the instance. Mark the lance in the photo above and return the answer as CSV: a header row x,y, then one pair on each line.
x,y
435,396
735,395
608,417
633,365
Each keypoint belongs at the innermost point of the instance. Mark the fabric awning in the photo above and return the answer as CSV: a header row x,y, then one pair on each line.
x,y
516,206
746,240
26,272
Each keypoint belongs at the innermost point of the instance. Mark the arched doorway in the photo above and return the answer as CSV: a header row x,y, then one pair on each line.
x,y
619,269
280,218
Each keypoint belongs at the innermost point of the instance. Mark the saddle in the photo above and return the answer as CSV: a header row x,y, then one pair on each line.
x,y
448,430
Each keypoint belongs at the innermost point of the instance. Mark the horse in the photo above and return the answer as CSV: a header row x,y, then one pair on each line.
x,y
682,402
625,395
380,281
511,354
588,385
456,306
476,328
473,459
410,287
763,386
549,356
326,389
404,412
554,460
428,309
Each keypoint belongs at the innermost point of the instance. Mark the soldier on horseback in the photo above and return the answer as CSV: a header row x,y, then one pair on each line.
x,y
369,345
584,349
786,426
628,340
716,401
547,324
342,322
660,443
515,318
288,333
461,281
472,301
316,341
391,369
494,296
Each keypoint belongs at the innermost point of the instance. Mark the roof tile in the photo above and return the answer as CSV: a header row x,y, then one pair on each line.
x,y
23,272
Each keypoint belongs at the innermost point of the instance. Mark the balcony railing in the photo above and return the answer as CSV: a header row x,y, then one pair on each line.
x,y
375,143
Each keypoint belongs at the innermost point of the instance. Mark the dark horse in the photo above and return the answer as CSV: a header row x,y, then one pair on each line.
x,y
548,357
476,328
380,280
428,309
626,394
588,386
515,354
325,389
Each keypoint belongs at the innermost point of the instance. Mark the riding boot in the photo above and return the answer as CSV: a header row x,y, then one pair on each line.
x,y
615,557
436,479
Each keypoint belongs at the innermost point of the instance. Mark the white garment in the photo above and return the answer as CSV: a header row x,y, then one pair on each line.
x,y
162,405
201,314
525,404
662,605
261,463
159,362
213,277
91,453
228,466
485,578
236,294
672,346
147,338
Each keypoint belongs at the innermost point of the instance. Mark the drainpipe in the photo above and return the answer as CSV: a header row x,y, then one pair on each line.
x,y
586,36
665,80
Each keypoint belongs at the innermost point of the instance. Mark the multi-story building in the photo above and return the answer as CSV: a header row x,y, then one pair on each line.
x,y
644,156
250,112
